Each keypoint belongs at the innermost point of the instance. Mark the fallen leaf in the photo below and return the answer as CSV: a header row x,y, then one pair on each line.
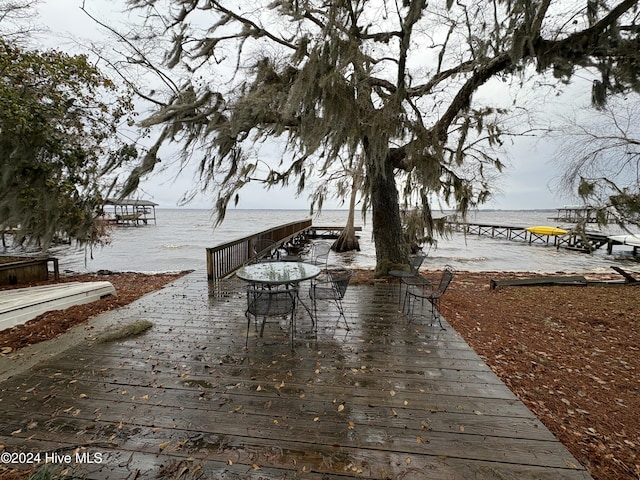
x,y
164,445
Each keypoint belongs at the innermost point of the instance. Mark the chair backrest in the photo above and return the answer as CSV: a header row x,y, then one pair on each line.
x,y
267,301
447,276
320,253
340,280
416,261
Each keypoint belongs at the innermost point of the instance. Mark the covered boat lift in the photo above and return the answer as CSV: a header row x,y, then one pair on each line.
x,y
128,211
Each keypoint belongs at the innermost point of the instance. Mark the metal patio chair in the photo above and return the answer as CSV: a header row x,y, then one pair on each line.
x,y
432,295
271,302
320,253
411,276
333,287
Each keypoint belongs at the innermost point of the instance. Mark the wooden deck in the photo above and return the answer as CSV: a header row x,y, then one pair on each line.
x,y
386,400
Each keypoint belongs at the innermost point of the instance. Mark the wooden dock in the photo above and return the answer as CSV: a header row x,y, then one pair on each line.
x,y
130,212
508,232
386,400
327,231
587,242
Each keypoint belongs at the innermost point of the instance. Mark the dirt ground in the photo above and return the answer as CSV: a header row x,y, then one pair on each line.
x,y
572,356
570,353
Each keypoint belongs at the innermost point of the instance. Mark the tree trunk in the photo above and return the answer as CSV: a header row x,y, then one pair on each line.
x,y
391,249
347,240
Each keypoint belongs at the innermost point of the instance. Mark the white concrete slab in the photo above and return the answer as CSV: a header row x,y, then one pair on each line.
x,y
20,305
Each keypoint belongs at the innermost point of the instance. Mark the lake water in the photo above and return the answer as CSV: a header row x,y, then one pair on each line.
x,y
180,237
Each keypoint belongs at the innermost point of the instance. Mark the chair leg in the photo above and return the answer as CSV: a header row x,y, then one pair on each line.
x,y
246,341
406,302
341,309
314,318
293,328
435,312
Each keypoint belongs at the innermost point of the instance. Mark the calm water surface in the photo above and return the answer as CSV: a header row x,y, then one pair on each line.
x,y
178,242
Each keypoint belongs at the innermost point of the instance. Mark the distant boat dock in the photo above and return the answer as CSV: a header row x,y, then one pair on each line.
x,y
581,242
509,232
130,212
327,232
581,214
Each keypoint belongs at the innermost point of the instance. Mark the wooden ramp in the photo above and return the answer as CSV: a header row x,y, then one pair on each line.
x,y
385,400
21,305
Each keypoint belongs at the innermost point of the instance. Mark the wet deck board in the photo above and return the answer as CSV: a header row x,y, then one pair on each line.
x,y
387,399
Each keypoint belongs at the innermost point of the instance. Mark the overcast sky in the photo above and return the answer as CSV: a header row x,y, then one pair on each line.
x,y
526,184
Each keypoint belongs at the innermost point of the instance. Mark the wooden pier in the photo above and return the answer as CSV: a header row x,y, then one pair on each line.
x,y
586,242
508,232
327,232
226,258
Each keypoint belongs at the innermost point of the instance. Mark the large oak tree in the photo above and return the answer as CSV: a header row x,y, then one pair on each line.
x,y
394,81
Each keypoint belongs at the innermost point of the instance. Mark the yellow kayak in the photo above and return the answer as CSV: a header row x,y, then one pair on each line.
x,y
544,230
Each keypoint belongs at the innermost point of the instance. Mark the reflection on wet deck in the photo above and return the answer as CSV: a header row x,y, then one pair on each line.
x,y
385,400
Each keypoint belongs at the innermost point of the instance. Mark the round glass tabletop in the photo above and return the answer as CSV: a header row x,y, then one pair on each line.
x,y
278,272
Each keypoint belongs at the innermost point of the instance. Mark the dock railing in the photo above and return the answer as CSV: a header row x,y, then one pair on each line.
x,y
226,258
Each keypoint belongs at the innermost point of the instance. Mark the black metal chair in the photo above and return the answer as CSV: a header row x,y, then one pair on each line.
x,y
433,295
269,302
333,287
411,276
320,253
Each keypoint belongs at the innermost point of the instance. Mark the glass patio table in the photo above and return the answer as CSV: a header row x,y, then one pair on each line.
x,y
278,273
272,274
